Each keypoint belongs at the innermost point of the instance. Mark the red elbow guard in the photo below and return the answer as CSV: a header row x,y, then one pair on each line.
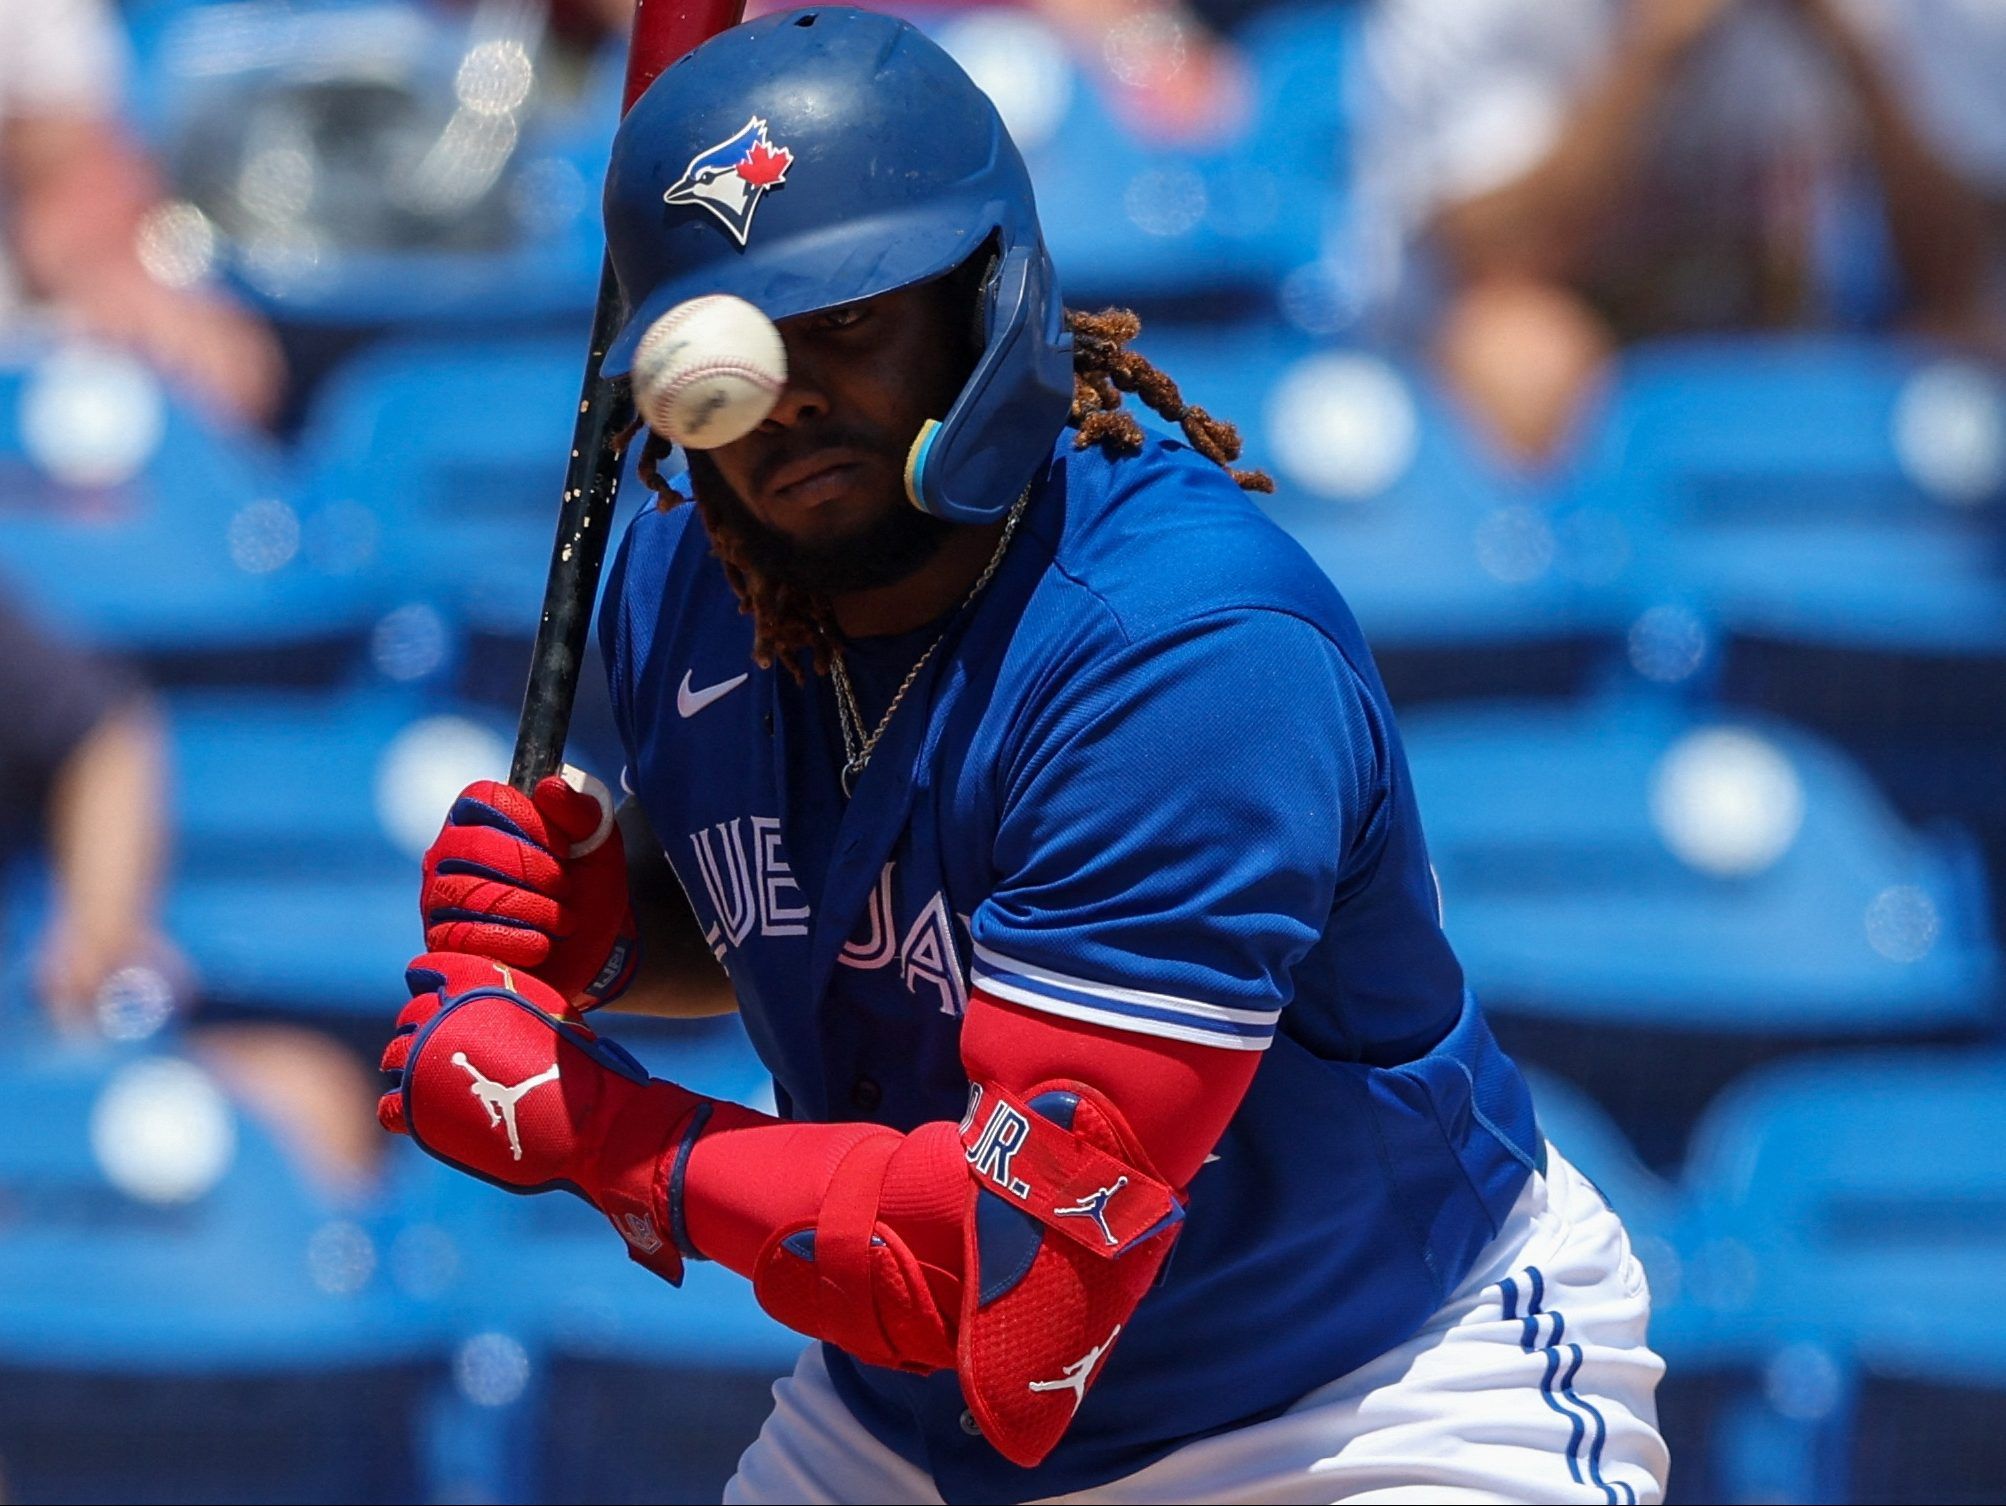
x,y
1061,1225
1068,1224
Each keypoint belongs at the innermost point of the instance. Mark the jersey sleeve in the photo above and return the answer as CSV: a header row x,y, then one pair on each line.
x,y
1175,823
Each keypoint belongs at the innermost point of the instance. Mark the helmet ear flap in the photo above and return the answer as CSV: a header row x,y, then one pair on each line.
x,y
965,467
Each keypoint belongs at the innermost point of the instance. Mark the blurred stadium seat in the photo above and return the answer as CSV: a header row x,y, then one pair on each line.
x,y
180,1318
1651,901
130,521
1834,510
1843,492
302,820
479,431
458,449
1853,1211
1134,219
1461,580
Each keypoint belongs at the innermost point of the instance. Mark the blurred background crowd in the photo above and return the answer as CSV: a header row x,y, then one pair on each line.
x,y
1634,367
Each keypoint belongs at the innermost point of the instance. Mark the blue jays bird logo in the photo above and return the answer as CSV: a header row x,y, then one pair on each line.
x,y
730,178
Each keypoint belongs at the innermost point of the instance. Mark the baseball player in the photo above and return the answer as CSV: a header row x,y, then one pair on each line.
x,y
1137,1137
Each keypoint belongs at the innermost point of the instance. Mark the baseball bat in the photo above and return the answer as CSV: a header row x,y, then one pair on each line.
x,y
663,31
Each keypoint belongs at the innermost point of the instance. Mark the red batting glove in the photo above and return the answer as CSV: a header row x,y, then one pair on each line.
x,y
497,1076
537,883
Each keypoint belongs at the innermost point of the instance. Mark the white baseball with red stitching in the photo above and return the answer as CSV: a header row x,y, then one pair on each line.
x,y
708,371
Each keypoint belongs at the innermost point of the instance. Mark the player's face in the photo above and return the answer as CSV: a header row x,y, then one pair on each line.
x,y
819,487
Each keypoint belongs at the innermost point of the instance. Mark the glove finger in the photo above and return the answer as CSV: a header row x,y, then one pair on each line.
x,y
509,945
464,897
397,1055
496,854
417,1014
390,1112
486,804
572,815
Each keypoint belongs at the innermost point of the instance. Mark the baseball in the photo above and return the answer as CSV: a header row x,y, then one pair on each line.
x,y
708,371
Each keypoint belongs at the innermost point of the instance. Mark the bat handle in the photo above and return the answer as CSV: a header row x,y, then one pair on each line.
x,y
591,488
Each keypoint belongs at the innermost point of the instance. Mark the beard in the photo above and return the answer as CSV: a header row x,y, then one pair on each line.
x,y
881,553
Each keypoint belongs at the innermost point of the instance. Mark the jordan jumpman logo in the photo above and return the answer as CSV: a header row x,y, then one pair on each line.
x,y
1094,1206
500,1101
1075,1376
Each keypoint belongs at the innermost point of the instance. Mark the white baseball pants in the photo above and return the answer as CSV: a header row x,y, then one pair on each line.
x,y
1535,1382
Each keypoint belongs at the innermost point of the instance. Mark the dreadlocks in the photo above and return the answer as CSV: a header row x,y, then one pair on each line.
x,y
1104,368
786,620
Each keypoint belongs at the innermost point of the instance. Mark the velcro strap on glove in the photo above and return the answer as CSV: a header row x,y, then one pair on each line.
x,y
843,1238
1100,1202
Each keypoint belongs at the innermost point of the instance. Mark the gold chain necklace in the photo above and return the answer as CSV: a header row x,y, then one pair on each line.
x,y
857,748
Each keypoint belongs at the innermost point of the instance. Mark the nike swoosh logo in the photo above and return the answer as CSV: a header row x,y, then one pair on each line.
x,y
690,702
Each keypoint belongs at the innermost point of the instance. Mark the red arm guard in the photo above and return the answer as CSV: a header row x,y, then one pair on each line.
x,y
865,1237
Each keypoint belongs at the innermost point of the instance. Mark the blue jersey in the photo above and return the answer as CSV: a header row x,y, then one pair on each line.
x,y
1150,780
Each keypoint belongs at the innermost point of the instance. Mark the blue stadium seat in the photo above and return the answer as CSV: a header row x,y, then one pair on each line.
x,y
1131,219
480,431
1871,1190
1461,580
301,821
134,522
180,1317
313,947
1837,509
1651,902
1831,490
1861,1200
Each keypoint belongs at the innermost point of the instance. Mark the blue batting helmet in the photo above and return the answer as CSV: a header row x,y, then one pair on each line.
x,y
816,157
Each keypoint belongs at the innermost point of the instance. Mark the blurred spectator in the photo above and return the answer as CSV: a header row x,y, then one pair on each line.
x,y
1169,72
82,766
75,197
1593,171
594,17
80,759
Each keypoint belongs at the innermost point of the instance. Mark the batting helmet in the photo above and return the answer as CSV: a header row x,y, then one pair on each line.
x,y
816,157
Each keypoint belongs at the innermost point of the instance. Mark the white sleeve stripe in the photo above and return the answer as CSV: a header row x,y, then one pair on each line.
x,y
988,963
1196,1035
